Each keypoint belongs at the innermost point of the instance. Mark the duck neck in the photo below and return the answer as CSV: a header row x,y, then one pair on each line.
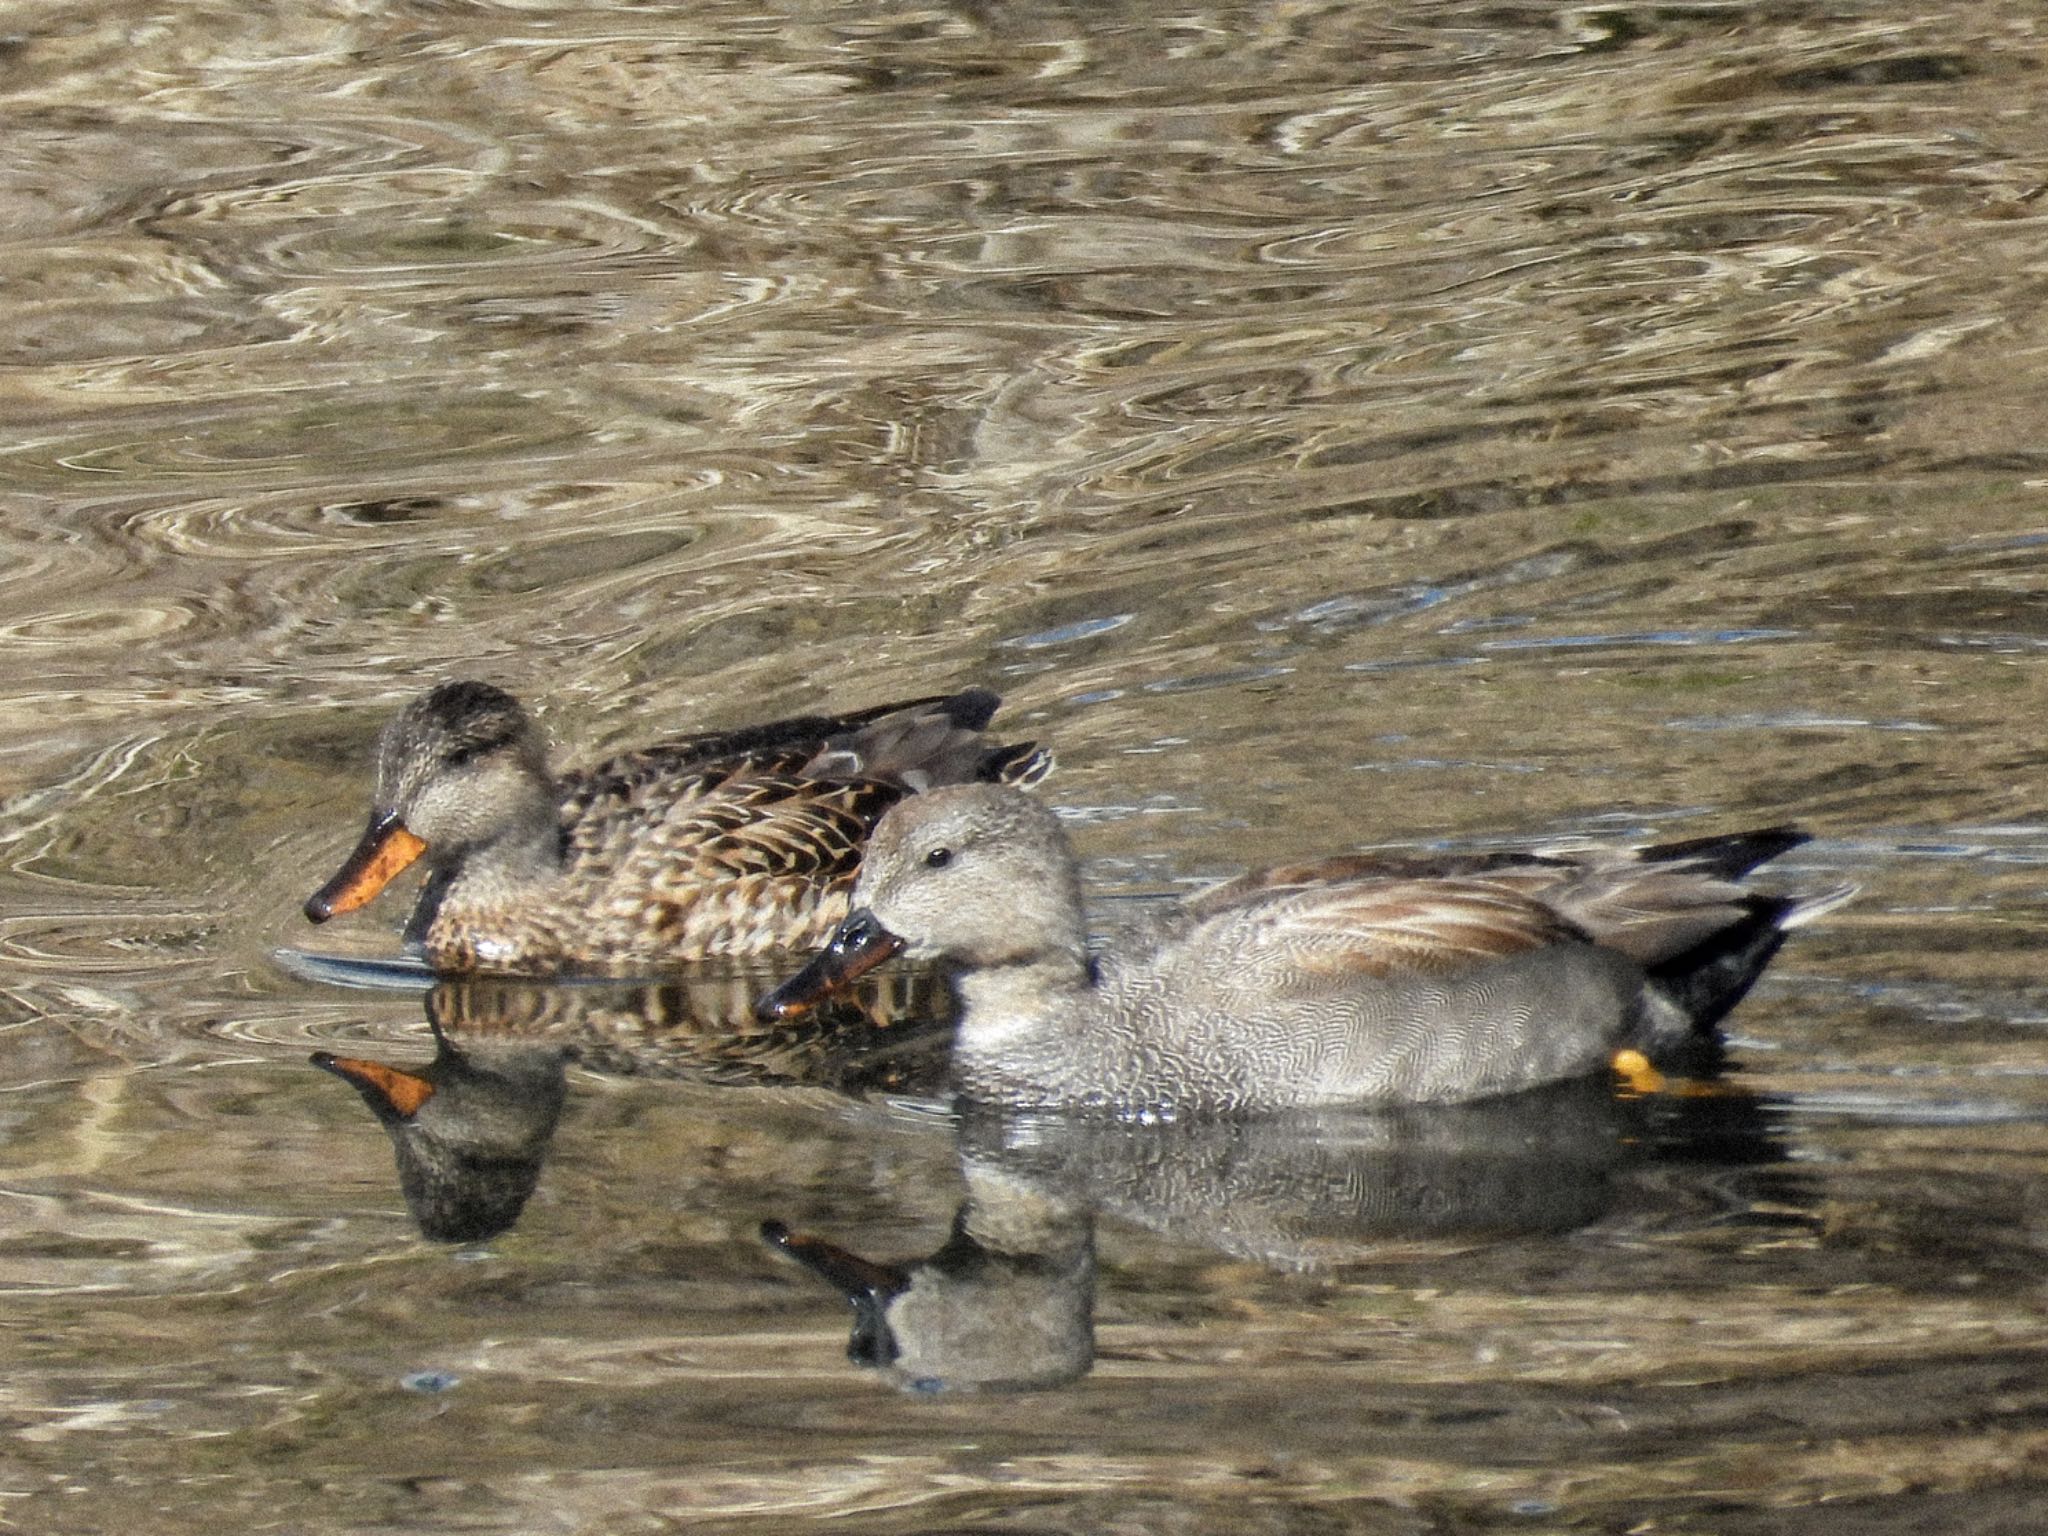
x,y
525,851
1049,982
1023,1024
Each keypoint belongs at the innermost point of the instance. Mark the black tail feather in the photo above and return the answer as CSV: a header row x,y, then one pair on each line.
x,y
1697,989
971,709
1731,854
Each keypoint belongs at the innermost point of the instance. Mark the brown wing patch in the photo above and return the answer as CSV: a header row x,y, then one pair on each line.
x,y
644,785
768,827
1391,927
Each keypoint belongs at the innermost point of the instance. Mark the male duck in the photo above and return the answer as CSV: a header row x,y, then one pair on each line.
x,y
1349,980
729,843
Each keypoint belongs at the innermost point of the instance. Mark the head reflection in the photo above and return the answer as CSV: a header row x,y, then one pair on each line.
x,y
1007,1303
470,1129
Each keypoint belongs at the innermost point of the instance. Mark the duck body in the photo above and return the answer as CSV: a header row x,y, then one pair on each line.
x,y
1356,979
1279,1025
730,843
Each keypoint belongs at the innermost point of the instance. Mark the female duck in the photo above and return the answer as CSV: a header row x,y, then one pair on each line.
x,y
1354,979
723,844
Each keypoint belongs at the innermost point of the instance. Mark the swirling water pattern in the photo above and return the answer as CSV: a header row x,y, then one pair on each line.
x,y
1427,423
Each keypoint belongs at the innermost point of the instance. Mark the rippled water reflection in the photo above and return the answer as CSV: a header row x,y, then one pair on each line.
x,y
1328,424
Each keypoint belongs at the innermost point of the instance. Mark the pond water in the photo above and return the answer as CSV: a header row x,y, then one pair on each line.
x,y
1427,424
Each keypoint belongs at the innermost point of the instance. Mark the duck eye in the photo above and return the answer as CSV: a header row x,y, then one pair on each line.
x,y
938,858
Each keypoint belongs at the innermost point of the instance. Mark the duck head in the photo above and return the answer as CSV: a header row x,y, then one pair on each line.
x,y
459,768
977,875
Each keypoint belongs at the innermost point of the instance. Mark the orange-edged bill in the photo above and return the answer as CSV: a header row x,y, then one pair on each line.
x,y
391,1089
385,851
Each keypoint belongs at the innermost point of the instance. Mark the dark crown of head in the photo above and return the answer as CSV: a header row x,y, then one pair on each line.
x,y
476,717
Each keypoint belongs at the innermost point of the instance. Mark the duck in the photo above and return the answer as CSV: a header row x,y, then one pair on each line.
x,y
1359,978
726,843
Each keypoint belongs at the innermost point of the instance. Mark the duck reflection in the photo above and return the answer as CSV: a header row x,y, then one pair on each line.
x,y
1006,1303
471,1128
892,1037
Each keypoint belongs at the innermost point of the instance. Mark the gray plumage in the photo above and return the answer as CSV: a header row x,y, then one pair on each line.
x,y
1355,979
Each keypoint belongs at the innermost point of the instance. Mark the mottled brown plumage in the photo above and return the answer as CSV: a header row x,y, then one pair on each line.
x,y
730,843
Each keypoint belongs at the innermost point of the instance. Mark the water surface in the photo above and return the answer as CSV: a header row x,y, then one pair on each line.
x,y
1407,425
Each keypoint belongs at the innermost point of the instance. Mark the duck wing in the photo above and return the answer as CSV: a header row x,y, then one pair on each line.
x,y
938,739
1297,933
727,824
1666,901
1653,904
